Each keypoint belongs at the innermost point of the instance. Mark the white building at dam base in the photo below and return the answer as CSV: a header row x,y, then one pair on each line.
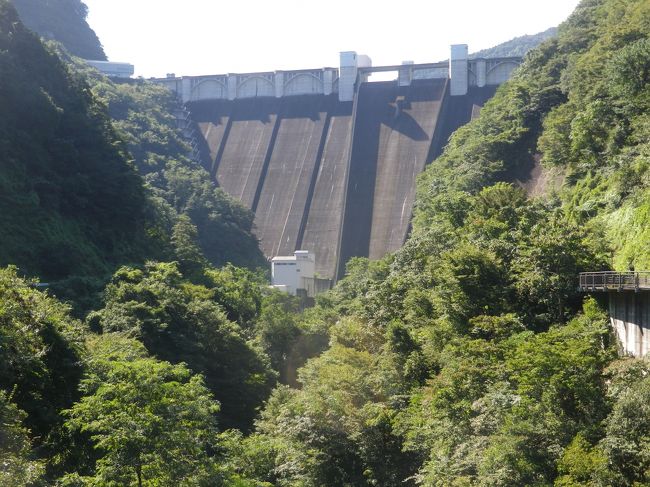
x,y
296,274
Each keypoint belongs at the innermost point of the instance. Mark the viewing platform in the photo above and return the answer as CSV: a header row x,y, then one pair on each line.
x,y
629,306
607,281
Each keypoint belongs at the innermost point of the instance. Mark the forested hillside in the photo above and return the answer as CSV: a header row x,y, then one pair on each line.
x,y
70,202
466,358
142,115
518,46
63,21
73,206
192,346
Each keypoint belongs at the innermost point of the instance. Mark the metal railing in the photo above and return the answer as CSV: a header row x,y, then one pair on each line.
x,y
614,281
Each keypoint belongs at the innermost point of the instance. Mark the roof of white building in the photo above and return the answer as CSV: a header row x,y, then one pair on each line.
x,y
284,258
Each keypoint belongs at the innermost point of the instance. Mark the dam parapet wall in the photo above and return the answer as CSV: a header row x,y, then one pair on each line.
x,y
353,70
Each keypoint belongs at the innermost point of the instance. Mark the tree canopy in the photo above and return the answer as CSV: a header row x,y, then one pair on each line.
x,y
466,358
63,21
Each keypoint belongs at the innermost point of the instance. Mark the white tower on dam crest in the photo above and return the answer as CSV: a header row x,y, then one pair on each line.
x,y
349,73
459,70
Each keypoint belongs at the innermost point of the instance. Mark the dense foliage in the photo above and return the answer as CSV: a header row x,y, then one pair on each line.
x,y
182,322
72,206
15,448
70,203
466,358
63,21
151,421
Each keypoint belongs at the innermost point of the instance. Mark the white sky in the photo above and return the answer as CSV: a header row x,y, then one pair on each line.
x,y
191,37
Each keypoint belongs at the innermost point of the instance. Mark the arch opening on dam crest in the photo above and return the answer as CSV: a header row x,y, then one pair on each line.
x,y
327,160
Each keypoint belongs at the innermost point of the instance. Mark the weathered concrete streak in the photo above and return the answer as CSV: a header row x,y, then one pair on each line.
x,y
457,111
393,134
372,105
286,186
323,229
252,122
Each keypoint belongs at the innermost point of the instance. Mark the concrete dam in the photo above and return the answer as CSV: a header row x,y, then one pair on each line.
x,y
326,159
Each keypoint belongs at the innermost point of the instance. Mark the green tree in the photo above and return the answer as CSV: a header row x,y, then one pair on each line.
x,y
238,290
582,465
152,423
40,351
277,330
18,466
626,444
179,321
545,267
184,239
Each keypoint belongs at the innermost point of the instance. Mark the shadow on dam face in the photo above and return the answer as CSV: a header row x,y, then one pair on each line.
x,y
394,128
336,178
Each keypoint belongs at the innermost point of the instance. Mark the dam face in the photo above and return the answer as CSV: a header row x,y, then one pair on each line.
x,y
325,171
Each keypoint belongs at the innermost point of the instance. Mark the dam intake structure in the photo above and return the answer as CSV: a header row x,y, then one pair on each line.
x,y
326,159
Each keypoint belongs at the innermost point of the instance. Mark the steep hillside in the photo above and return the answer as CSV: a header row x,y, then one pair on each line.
x,y
63,21
70,203
518,46
581,103
467,358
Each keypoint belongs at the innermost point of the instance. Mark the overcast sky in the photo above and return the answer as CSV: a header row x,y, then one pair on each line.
x,y
190,37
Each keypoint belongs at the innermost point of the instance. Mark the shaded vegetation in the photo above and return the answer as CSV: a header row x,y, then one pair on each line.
x,y
70,203
178,321
72,206
63,21
142,113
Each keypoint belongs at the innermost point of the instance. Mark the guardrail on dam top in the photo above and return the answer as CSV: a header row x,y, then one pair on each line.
x,y
327,161
354,69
